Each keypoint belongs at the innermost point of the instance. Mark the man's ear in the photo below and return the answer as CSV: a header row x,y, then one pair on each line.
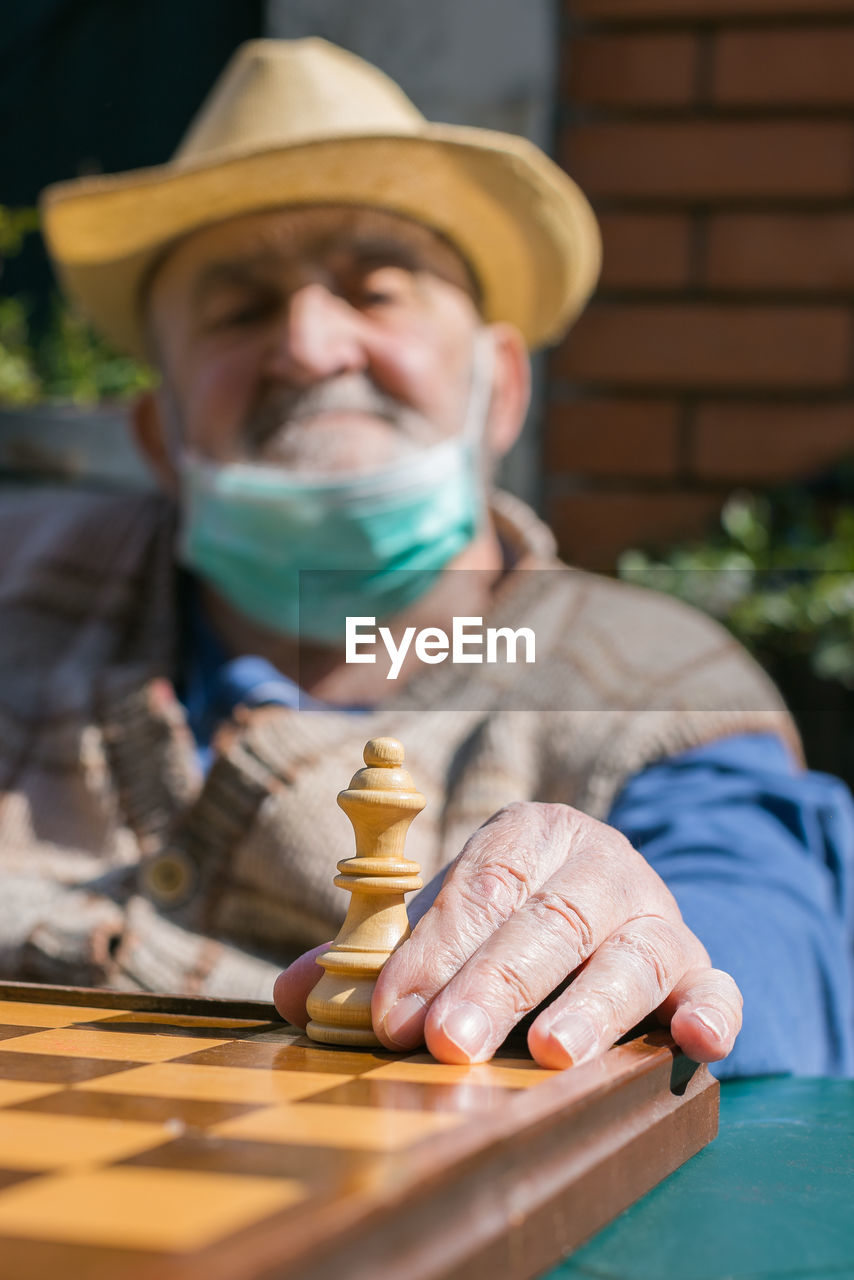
x,y
511,389
150,436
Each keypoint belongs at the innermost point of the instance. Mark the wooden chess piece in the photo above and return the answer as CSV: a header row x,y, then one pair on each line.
x,y
380,802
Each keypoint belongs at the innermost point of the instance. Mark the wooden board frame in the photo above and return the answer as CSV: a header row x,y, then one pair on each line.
x,y
506,1197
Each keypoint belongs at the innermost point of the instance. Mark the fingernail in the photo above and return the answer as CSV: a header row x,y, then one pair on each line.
x,y
713,1020
577,1035
404,1020
468,1028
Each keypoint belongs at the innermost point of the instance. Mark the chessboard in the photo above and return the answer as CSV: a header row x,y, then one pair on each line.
x,y
163,1138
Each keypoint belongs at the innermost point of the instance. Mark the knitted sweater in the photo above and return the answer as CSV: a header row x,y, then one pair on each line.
x,y
123,866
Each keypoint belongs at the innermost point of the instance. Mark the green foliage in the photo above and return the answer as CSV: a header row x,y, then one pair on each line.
x,y
75,364
780,574
69,362
19,382
15,224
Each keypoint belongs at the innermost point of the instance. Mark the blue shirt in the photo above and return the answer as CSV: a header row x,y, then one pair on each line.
x,y
760,858
758,854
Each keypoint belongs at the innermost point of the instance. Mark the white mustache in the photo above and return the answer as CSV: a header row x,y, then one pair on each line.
x,y
280,430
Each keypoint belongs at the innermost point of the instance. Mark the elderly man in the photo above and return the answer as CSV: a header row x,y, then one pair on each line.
x,y
339,297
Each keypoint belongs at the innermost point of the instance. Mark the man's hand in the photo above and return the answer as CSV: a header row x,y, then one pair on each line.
x,y
541,893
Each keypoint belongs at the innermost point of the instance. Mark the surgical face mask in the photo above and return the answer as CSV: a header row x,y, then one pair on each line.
x,y
299,555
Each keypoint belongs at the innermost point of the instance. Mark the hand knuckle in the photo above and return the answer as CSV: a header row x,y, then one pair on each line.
x,y
557,911
554,814
497,890
516,986
512,812
541,820
653,952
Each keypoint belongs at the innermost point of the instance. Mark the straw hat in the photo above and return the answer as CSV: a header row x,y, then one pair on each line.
x,y
297,122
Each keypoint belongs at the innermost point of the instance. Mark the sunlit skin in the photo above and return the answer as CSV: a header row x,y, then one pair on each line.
x,y
246,316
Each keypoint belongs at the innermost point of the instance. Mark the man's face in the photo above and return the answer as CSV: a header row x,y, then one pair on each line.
x,y
323,339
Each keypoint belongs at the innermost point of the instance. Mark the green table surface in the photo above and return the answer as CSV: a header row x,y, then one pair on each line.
x,y
772,1196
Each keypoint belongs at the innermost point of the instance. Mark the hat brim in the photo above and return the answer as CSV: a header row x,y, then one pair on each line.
x,y
523,225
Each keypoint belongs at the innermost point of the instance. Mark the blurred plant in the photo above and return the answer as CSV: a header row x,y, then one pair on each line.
x,y
779,574
69,362
19,382
75,364
15,224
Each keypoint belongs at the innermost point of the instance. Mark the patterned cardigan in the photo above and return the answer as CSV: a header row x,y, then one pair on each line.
x,y
123,866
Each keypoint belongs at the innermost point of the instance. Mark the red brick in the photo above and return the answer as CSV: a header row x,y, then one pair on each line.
x,y
795,67
632,70
593,528
613,438
696,345
711,160
781,251
645,250
766,443
685,10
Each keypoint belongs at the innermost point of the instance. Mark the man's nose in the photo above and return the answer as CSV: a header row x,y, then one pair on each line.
x,y
320,336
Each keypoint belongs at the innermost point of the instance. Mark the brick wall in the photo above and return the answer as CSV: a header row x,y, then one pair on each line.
x,y
716,140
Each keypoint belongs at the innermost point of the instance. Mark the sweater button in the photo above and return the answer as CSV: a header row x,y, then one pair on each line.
x,y
168,878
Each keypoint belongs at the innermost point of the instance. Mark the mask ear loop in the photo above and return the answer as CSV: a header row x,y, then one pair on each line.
x,y
480,387
473,433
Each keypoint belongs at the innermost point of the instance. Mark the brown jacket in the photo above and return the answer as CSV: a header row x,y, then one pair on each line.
x,y
122,866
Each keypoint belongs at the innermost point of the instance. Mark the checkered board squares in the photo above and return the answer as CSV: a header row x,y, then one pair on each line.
x,y
160,1138
215,1084
363,1128
162,1135
80,1042
29,1140
27,1014
151,1209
